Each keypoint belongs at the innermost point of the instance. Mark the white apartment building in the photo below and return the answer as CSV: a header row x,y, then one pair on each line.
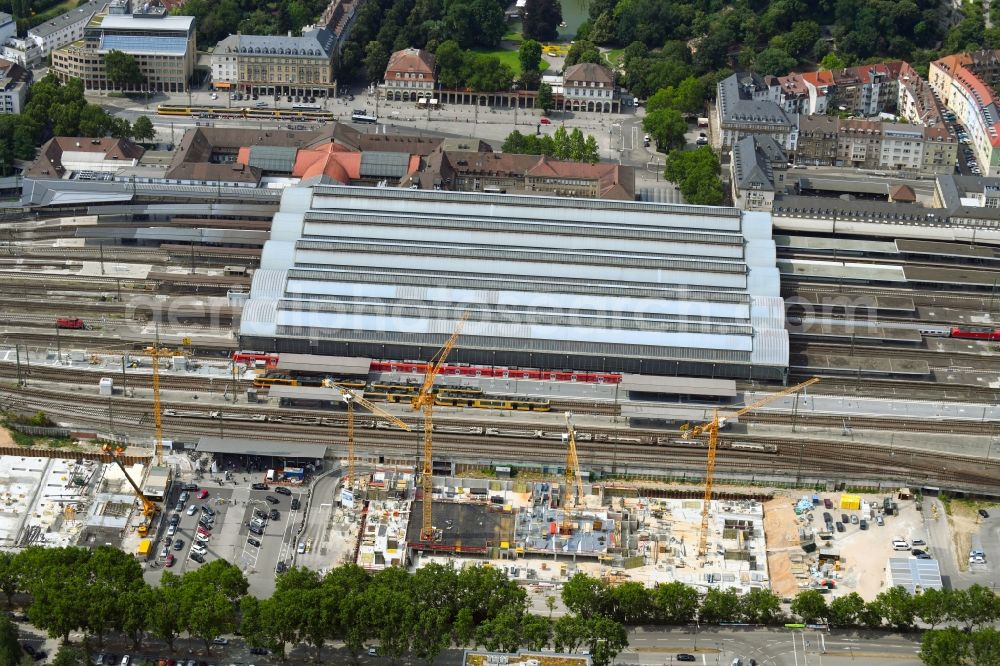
x,y
65,28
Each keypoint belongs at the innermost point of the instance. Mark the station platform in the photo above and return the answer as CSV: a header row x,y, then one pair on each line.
x,y
866,367
839,271
955,278
847,329
833,302
927,249
835,246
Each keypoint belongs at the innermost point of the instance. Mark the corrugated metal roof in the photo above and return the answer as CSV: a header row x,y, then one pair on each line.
x,y
272,158
260,447
679,385
334,364
379,164
911,574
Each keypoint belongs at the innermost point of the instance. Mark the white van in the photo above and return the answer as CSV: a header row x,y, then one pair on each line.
x,y
900,545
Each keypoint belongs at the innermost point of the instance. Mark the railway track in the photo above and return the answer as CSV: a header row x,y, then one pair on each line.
x,y
793,458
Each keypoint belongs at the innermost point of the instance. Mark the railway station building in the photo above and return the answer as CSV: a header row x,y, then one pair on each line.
x,y
616,286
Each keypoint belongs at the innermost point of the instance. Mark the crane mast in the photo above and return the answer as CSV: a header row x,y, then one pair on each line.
x,y
424,401
350,397
712,429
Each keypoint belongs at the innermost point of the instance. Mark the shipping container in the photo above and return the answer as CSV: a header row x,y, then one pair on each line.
x,y
850,502
144,547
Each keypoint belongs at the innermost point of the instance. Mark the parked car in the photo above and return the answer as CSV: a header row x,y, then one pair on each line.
x,y
259,513
258,486
541,121
302,548
189,486
207,509
863,524
295,504
203,494
253,542
198,557
879,520
984,513
171,530
259,531
184,497
272,499
170,560
191,509
281,490
854,520
840,527
281,567
828,503
220,641
685,657
274,515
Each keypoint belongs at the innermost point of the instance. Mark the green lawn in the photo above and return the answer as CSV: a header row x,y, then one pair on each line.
x,y
508,58
612,55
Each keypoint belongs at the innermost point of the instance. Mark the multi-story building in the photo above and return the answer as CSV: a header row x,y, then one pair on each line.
x,y
24,52
757,172
8,27
965,83
409,76
916,100
589,87
278,65
65,28
746,105
875,144
817,143
866,90
14,81
163,47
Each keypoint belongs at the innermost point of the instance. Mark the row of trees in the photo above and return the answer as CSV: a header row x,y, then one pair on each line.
x,y
676,603
562,145
953,647
57,109
102,591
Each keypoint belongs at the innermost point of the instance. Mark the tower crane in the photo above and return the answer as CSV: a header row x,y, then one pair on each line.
x,y
149,509
424,400
712,428
574,476
350,397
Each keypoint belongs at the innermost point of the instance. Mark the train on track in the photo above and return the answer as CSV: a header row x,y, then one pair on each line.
x,y
260,113
962,332
270,360
444,397
72,323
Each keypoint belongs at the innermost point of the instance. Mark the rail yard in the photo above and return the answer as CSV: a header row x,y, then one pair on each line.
x,y
216,353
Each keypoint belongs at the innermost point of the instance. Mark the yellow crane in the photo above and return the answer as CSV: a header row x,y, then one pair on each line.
x,y
712,428
424,400
574,475
149,509
350,397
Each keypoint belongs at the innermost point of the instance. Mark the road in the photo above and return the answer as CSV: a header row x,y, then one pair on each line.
x,y
648,646
943,548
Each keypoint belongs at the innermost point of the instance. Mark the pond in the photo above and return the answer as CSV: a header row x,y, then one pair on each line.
x,y
574,12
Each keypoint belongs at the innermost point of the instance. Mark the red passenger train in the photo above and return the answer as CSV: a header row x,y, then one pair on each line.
x,y
252,358
975,333
70,322
498,372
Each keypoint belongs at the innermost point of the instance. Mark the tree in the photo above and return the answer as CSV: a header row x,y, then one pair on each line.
x,y
123,70
541,19
810,605
375,61
10,649
529,56
591,151
630,602
165,609
944,647
94,121
846,611
451,64
69,655
545,101
486,73
606,639
666,127
143,130
501,633
569,633
675,602
536,632
975,606
585,595
10,576
984,646
720,606
774,61
932,606
696,172
760,606
897,607
832,61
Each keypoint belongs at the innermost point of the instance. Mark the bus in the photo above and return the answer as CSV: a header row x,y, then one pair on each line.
x,y
361,116
306,107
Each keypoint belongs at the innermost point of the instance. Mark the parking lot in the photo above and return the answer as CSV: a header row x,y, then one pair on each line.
x,y
234,506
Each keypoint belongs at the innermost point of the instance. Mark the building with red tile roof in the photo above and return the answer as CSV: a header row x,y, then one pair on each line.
x,y
966,83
